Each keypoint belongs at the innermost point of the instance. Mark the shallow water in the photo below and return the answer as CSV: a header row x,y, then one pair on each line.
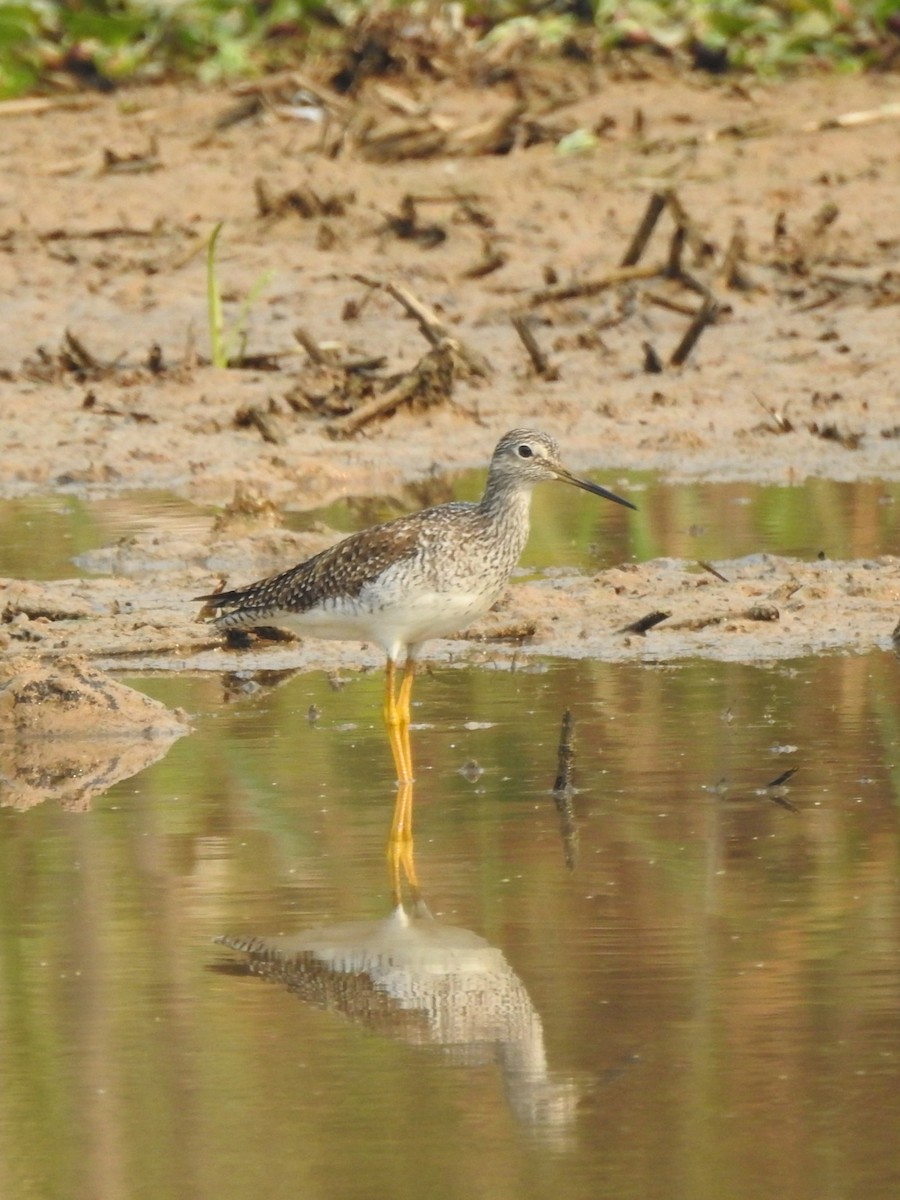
x,y
41,536
704,1003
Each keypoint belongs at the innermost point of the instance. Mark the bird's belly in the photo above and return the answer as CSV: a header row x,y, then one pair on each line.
x,y
423,615
392,623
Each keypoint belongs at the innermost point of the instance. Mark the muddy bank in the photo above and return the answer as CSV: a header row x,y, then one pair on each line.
x,y
756,609
797,376
380,342
68,731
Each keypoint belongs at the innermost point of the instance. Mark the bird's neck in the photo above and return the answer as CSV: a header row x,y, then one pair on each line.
x,y
507,504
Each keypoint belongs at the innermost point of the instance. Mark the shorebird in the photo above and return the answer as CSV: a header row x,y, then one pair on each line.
x,y
423,576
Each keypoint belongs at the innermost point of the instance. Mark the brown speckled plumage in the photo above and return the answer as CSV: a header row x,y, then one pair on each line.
x,y
341,570
421,576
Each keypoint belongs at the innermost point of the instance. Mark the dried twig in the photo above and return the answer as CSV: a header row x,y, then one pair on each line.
x,y
684,310
781,421
685,233
655,208
652,362
676,245
693,284
79,354
304,201
642,624
399,138
263,421
429,382
432,327
245,109
492,259
758,612
706,316
495,135
825,216
735,256
699,246
405,225
132,163
707,566
885,112
539,360
592,287
25,106
312,347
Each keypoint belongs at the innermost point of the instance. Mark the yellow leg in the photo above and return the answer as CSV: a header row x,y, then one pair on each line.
x,y
396,718
404,696
390,705
400,846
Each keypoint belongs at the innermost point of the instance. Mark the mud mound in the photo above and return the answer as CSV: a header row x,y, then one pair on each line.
x,y
69,732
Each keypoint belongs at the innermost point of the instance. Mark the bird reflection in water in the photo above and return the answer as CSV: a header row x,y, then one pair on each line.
x,y
423,982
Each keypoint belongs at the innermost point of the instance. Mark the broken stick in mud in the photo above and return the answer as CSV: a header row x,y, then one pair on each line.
x,y
539,360
429,382
433,328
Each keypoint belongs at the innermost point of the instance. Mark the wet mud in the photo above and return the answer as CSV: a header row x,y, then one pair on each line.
x,y
710,290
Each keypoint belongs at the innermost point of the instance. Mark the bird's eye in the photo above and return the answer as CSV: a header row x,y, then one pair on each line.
x,y
526,452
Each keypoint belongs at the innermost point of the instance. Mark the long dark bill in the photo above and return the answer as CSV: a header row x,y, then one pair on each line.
x,y
595,488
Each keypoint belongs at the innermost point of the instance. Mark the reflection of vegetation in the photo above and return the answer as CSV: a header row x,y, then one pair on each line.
x,y
101,41
40,536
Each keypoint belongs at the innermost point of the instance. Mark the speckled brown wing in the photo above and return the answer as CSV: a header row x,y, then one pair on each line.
x,y
341,570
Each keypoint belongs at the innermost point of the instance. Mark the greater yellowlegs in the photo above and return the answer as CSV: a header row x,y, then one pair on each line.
x,y
423,576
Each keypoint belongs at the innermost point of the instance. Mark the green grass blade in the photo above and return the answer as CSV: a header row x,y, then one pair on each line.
x,y
218,352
